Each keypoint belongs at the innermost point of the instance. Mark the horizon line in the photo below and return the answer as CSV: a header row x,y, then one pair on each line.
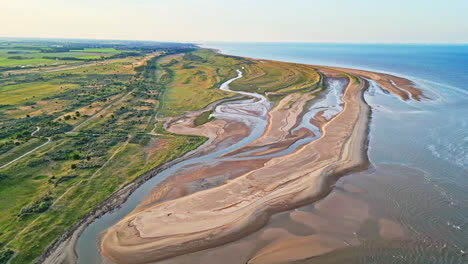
x,y
201,42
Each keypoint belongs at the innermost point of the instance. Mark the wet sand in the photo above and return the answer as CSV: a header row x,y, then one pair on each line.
x,y
343,219
401,87
219,215
204,206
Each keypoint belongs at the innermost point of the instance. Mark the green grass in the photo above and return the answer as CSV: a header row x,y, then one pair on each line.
x,y
203,118
5,62
35,58
18,151
277,77
33,91
42,177
72,165
194,87
5,255
103,50
89,57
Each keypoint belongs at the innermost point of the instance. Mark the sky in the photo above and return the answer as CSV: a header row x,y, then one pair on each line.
x,y
342,21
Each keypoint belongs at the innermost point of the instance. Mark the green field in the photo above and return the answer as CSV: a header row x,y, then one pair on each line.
x,y
33,91
5,62
103,50
27,56
110,107
46,192
203,118
192,80
100,116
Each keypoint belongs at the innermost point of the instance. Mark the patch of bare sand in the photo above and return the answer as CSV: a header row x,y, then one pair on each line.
x,y
281,120
401,87
353,188
390,229
218,215
196,178
292,248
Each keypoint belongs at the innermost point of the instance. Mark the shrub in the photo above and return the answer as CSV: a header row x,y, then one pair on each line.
x,y
3,176
37,162
65,179
5,255
38,206
203,118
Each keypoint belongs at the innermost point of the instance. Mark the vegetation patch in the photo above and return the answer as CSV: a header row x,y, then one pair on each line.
x,y
41,177
203,118
37,206
101,117
5,255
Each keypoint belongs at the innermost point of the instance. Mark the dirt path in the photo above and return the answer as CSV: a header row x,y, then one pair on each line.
x,y
67,191
75,129
29,152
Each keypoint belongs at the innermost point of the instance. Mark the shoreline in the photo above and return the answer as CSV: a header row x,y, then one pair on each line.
x,y
63,249
353,157
67,241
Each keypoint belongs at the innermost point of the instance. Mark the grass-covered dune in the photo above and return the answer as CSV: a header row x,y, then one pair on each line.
x,y
98,117
103,119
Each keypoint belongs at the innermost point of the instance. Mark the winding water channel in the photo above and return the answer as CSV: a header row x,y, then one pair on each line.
x,y
253,113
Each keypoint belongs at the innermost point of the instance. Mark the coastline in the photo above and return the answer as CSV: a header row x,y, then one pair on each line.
x,y
62,250
352,157
55,253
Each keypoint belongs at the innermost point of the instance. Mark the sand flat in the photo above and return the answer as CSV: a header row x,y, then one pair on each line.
x,y
215,216
211,217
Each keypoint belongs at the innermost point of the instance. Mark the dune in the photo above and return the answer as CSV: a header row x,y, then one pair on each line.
x,y
242,205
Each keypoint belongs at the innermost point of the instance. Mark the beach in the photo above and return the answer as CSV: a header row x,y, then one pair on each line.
x,y
244,202
260,158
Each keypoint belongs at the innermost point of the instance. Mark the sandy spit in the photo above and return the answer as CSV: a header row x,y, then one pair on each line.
x,y
219,215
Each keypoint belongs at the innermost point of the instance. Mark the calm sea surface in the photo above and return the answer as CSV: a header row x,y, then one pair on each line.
x,y
419,150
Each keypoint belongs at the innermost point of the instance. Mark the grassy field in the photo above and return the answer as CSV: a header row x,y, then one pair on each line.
x,y
192,80
25,55
102,50
23,148
203,118
31,92
99,116
110,107
113,102
276,77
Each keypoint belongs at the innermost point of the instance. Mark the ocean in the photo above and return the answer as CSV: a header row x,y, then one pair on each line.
x,y
411,205
418,150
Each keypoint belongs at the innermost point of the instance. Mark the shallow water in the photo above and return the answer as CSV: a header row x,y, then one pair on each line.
x,y
330,103
419,150
87,247
252,112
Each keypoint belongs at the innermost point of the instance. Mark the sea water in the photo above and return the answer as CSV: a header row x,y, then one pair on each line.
x,y
418,150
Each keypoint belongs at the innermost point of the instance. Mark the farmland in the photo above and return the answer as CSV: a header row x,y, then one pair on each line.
x,y
98,116
92,126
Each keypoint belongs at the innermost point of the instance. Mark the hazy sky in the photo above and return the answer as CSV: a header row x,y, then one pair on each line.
x,y
428,21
